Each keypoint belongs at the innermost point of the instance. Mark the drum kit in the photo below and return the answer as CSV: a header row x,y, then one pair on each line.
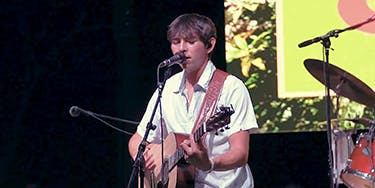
x,y
354,163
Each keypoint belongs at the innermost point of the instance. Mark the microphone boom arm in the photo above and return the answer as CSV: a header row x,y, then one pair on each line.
x,y
333,33
75,111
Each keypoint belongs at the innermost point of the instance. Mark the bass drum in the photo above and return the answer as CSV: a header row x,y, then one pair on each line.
x,y
358,172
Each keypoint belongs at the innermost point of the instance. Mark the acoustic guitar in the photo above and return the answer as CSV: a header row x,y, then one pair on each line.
x,y
177,173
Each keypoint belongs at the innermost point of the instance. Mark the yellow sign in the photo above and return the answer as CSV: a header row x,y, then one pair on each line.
x,y
353,50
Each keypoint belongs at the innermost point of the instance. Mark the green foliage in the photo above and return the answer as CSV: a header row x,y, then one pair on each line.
x,y
251,43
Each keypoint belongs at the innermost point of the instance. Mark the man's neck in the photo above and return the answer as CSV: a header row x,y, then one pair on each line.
x,y
192,78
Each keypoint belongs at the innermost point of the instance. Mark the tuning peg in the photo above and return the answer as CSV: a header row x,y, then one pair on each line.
x,y
217,132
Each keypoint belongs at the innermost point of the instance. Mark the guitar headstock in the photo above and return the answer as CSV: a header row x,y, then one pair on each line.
x,y
220,119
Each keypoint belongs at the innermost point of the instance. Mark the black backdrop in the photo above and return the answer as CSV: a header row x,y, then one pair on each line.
x,y
102,55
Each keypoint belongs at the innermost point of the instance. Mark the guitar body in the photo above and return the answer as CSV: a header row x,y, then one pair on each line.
x,y
185,171
153,178
180,175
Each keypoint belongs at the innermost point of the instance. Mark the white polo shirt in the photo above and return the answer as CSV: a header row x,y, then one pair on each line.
x,y
180,119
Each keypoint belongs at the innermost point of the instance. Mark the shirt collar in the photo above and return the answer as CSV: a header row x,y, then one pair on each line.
x,y
203,81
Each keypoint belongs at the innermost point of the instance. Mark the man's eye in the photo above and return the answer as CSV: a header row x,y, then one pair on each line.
x,y
175,42
192,41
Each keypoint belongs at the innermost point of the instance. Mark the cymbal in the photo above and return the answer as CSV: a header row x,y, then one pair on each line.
x,y
363,121
342,82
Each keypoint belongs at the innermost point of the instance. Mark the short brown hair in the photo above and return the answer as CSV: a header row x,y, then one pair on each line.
x,y
192,25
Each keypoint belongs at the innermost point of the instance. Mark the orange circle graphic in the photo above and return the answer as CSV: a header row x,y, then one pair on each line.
x,y
357,11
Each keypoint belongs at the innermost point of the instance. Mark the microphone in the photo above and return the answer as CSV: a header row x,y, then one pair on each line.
x,y
333,33
308,42
75,111
179,57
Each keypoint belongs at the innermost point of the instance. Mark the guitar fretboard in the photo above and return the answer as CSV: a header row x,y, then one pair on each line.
x,y
220,119
180,152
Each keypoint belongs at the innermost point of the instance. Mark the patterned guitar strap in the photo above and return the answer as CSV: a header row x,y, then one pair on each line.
x,y
209,102
186,175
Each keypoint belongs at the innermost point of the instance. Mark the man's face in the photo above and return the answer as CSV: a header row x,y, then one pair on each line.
x,y
195,50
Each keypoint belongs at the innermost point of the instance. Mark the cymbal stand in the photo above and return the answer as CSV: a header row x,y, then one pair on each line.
x,y
336,172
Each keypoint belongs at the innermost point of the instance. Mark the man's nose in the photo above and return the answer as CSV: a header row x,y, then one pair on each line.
x,y
182,46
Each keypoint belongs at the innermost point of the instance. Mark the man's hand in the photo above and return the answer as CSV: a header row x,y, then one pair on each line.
x,y
196,154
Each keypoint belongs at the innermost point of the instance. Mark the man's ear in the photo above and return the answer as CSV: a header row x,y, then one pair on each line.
x,y
211,44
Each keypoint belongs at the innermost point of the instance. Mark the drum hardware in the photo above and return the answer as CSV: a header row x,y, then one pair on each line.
x,y
359,170
359,167
341,82
366,151
357,143
348,162
342,145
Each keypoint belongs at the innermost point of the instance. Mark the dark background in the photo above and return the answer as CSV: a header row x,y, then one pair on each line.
x,y
102,55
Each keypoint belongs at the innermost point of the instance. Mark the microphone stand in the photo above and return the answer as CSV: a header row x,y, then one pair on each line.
x,y
139,160
99,118
164,176
115,118
325,41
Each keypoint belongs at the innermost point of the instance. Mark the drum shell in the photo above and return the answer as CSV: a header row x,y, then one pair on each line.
x,y
359,171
